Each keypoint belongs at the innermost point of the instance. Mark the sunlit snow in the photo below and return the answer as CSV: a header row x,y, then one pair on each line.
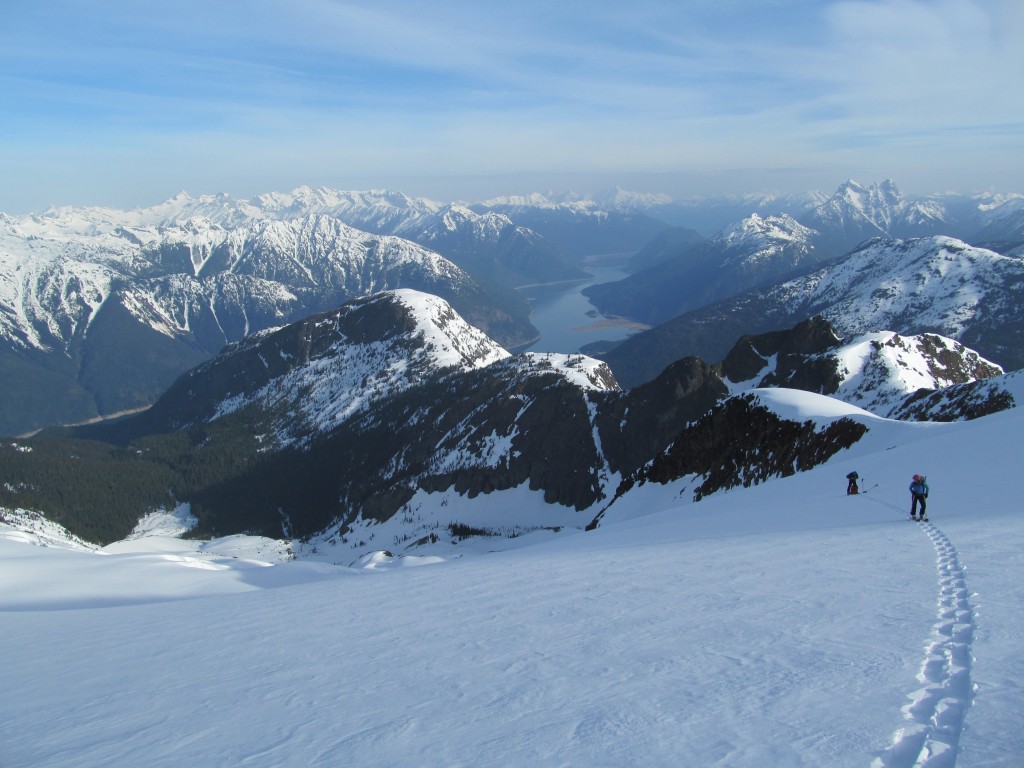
x,y
786,624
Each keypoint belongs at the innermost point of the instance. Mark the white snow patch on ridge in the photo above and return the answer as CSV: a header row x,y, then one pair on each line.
x,y
452,341
175,523
349,377
880,369
584,372
28,527
797,405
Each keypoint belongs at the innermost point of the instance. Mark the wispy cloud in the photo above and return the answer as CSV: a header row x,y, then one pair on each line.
x,y
336,89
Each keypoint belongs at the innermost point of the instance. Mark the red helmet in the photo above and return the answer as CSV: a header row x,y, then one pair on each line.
x,y
917,477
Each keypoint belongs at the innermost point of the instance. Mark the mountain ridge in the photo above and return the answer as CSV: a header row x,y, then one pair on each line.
x,y
104,288
739,257
331,427
924,285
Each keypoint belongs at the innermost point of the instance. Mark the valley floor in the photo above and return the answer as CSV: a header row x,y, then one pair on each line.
x,y
783,625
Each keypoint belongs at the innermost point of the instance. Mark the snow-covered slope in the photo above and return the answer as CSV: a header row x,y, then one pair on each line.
x,y
784,624
1002,220
347,367
856,213
875,371
55,284
970,400
745,254
934,285
934,282
85,293
28,527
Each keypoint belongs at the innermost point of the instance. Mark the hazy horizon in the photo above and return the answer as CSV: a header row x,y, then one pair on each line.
x,y
127,104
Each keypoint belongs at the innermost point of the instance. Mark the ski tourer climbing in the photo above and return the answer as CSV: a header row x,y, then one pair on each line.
x,y
851,484
918,495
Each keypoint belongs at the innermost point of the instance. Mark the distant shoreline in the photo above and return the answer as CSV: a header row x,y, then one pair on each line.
x,y
93,420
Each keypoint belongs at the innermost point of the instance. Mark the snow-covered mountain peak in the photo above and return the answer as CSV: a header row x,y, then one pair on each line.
x,y
619,199
857,212
757,240
757,228
457,218
876,371
451,340
326,369
585,372
879,370
873,202
940,280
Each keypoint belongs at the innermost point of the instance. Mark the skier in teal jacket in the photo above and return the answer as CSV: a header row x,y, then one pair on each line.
x,y
918,495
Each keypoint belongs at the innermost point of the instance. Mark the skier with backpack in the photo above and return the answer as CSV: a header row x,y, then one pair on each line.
x,y
919,495
851,484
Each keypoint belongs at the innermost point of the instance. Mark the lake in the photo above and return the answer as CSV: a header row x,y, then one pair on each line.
x,y
565,317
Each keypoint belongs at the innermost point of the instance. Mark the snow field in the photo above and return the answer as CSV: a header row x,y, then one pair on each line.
x,y
622,655
786,624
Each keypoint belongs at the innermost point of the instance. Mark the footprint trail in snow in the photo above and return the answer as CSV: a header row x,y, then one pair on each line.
x,y
934,716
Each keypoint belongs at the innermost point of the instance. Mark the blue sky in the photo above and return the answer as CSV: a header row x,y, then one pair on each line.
x,y
127,103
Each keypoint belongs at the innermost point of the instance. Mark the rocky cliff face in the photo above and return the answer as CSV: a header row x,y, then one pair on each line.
x,y
961,402
741,442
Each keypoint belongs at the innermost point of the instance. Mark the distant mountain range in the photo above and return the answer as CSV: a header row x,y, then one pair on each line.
x,y
100,310
924,285
678,272
737,258
853,210
582,228
340,426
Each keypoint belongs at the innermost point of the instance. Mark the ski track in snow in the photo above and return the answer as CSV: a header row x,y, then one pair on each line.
x,y
934,717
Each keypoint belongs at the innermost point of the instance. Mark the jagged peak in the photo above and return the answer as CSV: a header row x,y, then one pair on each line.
x,y
755,226
850,184
866,197
876,371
